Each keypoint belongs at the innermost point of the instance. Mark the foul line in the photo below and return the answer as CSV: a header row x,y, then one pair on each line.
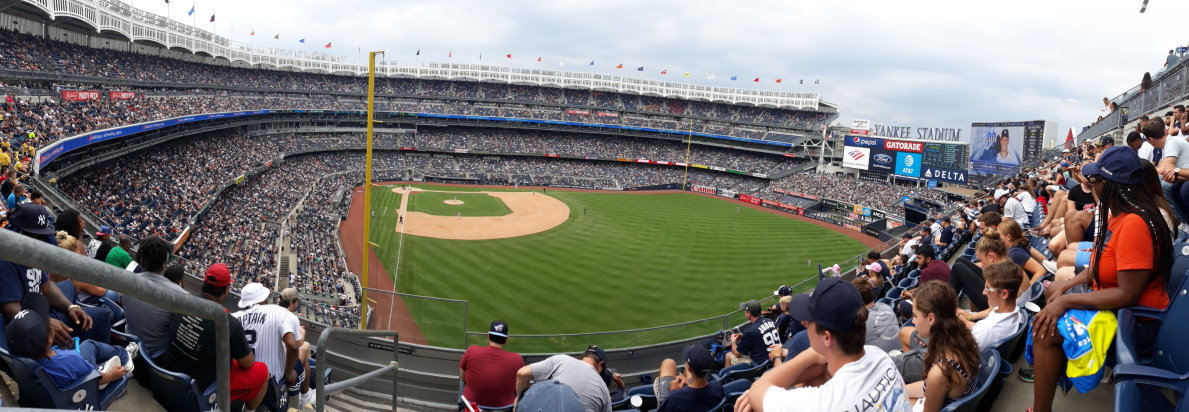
x,y
400,246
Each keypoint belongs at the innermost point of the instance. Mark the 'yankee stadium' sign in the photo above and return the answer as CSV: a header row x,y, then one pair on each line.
x,y
919,133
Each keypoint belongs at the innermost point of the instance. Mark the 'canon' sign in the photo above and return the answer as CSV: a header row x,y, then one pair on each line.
x,y
902,146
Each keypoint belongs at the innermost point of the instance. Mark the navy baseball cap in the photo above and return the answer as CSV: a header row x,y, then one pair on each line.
x,y
28,332
783,290
833,305
103,230
32,218
597,351
1118,164
498,328
698,359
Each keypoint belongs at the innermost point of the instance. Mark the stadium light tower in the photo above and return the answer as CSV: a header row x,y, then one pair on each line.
x,y
367,182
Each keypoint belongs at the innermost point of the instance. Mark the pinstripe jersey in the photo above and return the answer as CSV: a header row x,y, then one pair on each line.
x,y
265,327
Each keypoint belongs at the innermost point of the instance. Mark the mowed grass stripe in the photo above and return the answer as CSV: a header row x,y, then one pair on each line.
x,y
474,204
632,261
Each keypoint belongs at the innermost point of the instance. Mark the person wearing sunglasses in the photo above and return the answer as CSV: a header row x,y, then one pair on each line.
x,y
583,376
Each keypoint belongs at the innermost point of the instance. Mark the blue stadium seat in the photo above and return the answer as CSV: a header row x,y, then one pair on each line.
x,y
745,371
732,391
1168,366
1132,396
646,395
887,301
916,273
987,370
38,389
177,391
907,283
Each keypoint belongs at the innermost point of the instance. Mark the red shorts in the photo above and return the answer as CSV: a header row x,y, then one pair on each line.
x,y
247,383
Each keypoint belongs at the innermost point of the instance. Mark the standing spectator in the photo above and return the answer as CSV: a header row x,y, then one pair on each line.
x,y
1171,60
489,372
272,331
583,376
751,344
191,348
149,322
848,375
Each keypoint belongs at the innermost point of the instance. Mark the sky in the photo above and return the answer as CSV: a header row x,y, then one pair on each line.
x,y
913,63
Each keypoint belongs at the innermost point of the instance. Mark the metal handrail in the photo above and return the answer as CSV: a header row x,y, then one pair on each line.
x,y
325,389
30,252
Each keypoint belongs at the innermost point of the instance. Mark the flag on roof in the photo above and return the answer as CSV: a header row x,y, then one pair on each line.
x,y
1069,139
664,72
734,77
277,37
591,63
818,81
449,55
327,45
538,59
418,52
757,80
686,74
253,33
212,17
191,12
509,55
640,69
778,80
619,66
301,40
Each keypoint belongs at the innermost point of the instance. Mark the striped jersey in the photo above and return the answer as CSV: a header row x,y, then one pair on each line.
x,y
265,327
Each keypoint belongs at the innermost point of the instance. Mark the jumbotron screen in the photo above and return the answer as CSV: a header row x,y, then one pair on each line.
x,y
1000,148
930,160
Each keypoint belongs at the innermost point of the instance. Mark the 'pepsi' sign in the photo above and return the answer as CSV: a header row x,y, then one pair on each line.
x,y
908,164
860,141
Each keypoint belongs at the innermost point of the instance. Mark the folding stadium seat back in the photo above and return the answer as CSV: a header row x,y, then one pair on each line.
x,y
732,391
745,371
1180,268
39,391
988,368
907,283
1168,365
177,391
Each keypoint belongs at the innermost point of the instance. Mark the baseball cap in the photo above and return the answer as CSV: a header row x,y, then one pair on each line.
x,y
1106,140
751,306
32,218
103,230
698,359
1118,164
597,351
498,328
218,275
28,331
833,305
874,267
252,294
907,235
1001,193
548,396
289,294
783,290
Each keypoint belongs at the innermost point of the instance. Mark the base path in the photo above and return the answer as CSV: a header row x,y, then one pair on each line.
x,y
532,212
385,310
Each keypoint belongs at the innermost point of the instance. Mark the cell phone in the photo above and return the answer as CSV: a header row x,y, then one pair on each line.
x,y
76,344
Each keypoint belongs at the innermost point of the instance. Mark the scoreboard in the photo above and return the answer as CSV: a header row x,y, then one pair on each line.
x,y
926,160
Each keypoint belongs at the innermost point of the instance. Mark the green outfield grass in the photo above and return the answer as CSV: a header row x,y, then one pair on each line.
x,y
629,261
474,204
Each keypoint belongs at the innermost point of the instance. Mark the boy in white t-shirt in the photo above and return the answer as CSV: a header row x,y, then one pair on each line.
x,y
1003,317
838,372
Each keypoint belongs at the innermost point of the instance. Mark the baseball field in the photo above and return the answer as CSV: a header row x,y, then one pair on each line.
x,y
567,262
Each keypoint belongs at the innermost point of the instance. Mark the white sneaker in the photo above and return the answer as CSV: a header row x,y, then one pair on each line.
x,y
1050,266
309,398
133,350
111,363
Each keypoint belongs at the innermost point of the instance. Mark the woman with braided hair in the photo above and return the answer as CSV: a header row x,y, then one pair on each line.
x,y
1130,265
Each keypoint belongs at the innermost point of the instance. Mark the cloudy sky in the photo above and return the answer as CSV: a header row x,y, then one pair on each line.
x,y
907,63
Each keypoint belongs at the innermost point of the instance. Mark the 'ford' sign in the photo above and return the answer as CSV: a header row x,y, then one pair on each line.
x,y
883,161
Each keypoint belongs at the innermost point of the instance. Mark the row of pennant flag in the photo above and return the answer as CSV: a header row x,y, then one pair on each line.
x,y
450,55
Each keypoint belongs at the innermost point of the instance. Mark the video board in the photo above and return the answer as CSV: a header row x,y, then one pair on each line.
x,y
1000,148
928,160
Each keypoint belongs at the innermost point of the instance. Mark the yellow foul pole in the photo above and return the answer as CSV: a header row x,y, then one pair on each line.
x,y
367,183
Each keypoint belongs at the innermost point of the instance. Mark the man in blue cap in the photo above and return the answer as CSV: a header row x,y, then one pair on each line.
x,y
838,372
690,391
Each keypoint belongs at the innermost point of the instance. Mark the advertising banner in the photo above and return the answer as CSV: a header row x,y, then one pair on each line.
x,y
908,164
883,161
703,189
79,95
903,146
122,95
856,157
860,127
750,199
945,175
860,141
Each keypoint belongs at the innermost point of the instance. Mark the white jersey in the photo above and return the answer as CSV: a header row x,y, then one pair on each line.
x,y
868,384
265,327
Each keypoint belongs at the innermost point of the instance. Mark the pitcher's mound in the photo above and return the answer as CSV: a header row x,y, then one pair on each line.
x,y
453,202
531,213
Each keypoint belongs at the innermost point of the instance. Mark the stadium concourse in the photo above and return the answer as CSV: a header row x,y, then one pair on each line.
x,y
274,225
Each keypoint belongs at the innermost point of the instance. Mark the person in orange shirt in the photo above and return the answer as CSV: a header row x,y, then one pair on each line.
x,y
1130,265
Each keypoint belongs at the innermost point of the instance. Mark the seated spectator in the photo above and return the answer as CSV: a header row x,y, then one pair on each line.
x,y
930,270
838,372
489,372
1021,251
118,256
786,326
969,277
275,333
101,244
174,273
952,356
909,245
17,281
1131,265
149,322
84,292
191,346
882,327
946,234
580,375
1004,316
752,342
690,391
29,336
